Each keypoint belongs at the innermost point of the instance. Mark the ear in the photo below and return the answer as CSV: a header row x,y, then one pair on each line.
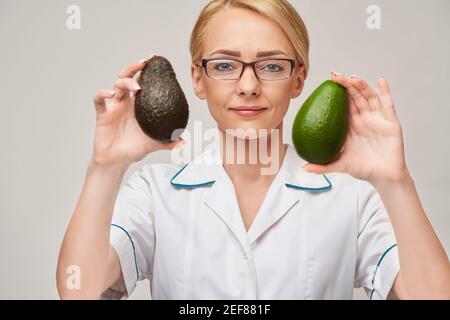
x,y
197,81
299,81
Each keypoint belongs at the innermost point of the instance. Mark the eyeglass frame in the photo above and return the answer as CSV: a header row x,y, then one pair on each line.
x,y
293,62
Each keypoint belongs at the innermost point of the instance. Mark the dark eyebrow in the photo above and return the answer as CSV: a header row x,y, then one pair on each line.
x,y
259,53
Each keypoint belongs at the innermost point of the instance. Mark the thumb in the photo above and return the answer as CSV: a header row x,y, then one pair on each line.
x,y
321,169
173,144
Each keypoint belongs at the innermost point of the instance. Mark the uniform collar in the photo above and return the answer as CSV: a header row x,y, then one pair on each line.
x,y
207,168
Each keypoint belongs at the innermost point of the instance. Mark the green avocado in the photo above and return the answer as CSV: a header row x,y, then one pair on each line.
x,y
161,106
321,125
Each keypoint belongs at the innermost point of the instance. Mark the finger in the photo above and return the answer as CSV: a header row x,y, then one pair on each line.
x,y
351,102
336,166
133,68
123,86
99,99
173,144
385,90
354,119
387,104
360,101
367,91
353,110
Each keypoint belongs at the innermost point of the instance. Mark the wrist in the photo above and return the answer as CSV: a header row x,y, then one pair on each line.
x,y
401,181
109,169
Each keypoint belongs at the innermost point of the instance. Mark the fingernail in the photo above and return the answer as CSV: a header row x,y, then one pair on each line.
x,y
146,60
179,144
111,93
353,76
337,74
136,87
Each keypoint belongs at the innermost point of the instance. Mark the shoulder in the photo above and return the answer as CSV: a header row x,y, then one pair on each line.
x,y
145,184
356,197
343,182
355,188
151,177
159,174
360,195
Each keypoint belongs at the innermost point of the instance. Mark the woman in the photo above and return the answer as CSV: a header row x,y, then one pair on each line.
x,y
218,230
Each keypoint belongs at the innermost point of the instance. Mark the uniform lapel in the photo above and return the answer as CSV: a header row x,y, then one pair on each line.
x,y
207,171
223,202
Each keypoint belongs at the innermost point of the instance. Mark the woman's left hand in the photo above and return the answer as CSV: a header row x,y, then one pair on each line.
x,y
373,150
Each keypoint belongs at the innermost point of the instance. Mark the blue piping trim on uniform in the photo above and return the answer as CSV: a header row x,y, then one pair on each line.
x,y
188,185
132,244
376,269
306,188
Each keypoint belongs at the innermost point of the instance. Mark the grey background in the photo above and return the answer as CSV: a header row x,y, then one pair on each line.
x,y
49,75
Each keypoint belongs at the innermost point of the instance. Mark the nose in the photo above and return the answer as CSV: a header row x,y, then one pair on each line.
x,y
249,83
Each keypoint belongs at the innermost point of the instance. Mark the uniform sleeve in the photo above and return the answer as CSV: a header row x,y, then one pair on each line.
x,y
132,234
377,257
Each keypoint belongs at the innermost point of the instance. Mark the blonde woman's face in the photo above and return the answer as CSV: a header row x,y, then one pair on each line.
x,y
247,33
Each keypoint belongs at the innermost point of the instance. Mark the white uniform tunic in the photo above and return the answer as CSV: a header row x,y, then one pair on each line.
x,y
314,237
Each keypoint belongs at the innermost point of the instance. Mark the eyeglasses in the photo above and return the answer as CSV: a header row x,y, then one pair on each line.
x,y
231,69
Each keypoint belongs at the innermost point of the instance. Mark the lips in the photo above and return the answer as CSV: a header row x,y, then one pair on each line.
x,y
248,108
248,111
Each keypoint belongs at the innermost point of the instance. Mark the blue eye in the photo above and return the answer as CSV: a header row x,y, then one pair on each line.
x,y
218,66
276,69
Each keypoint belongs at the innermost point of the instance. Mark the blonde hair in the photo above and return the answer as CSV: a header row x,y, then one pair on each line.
x,y
279,11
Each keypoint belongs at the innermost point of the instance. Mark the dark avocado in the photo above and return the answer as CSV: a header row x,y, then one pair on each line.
x,y
161,106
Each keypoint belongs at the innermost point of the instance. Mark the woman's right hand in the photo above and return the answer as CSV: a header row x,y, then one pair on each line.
x,y
119,141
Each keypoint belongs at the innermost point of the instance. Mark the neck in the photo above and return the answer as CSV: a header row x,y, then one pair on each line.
x,y
253,160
